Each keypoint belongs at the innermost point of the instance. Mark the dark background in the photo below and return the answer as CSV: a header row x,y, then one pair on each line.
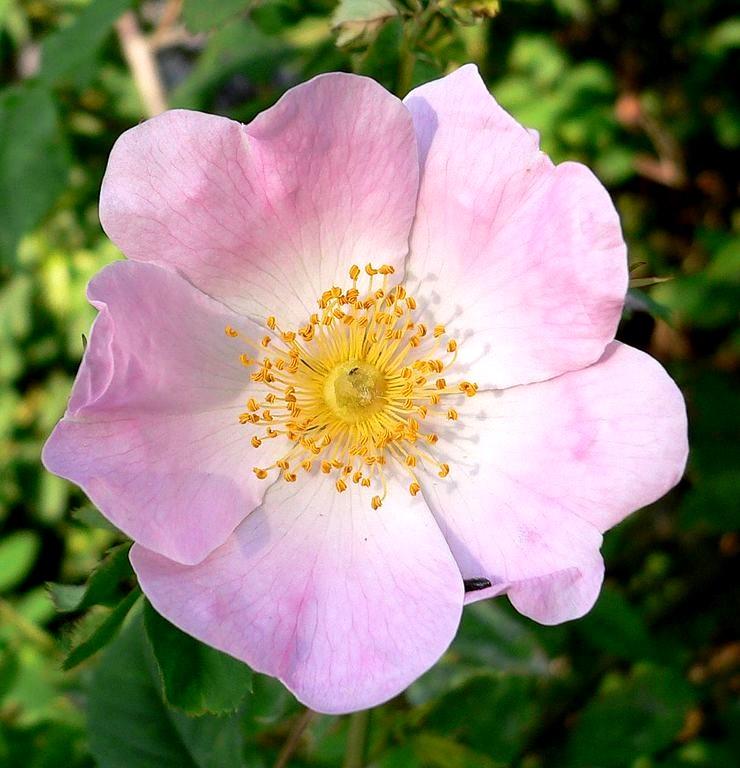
x,y
644,93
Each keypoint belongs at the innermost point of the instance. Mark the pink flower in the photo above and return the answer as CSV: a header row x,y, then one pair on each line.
x,y
311,454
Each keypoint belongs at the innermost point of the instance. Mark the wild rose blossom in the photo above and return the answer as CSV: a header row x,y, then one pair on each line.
x,y
361,351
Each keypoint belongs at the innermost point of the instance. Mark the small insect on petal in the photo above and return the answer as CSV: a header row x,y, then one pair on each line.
x,y
475,585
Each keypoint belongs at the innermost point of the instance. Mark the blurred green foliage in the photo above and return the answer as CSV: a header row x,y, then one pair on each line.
x,y
642,92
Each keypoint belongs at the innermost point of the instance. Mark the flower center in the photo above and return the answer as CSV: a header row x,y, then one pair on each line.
x,y
356,389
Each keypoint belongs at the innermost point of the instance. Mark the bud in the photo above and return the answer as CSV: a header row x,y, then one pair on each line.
x,y
470,11
357,21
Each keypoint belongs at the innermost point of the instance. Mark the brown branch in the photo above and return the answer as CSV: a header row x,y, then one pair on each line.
x,y
294,738
143,65
166,25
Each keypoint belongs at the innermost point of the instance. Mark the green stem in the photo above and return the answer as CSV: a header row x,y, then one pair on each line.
x,y
405,69
354,756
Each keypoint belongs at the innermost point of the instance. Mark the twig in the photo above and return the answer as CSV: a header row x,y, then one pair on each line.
x,y
293,738
354,755
168,19
140,58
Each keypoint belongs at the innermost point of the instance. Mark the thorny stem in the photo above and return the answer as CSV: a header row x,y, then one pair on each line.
x,y
293,738
33,634
355,751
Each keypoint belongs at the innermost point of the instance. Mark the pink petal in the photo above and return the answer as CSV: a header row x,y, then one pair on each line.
x,y
267,216
522,260
152,433
346,605
546,467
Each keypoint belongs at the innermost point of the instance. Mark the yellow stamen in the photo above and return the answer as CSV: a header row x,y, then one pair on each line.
x,y
356,389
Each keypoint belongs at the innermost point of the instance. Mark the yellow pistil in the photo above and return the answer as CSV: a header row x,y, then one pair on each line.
x,y
352,391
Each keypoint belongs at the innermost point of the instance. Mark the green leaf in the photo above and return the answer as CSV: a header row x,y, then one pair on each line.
x,y
358,20
130,725
195,677
466,712
103,634
69,54
34,163
490,637
92,517
202,15
634,717
18,552
614,626
102,587
434,751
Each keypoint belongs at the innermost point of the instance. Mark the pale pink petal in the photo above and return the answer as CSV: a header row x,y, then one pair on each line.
x,y
522,260
152,433
346,605
538,471
267,216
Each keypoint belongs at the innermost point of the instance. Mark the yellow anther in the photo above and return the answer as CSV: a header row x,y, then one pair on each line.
x,y
354,272
282,464
271,323
386,269
231,332
261,473
244,418
452,414
256,442
376,502
245,361
440,384
340,485
414,488
468,388
452,345
444,470
439,330
326,467
253,405
265,341
370,270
